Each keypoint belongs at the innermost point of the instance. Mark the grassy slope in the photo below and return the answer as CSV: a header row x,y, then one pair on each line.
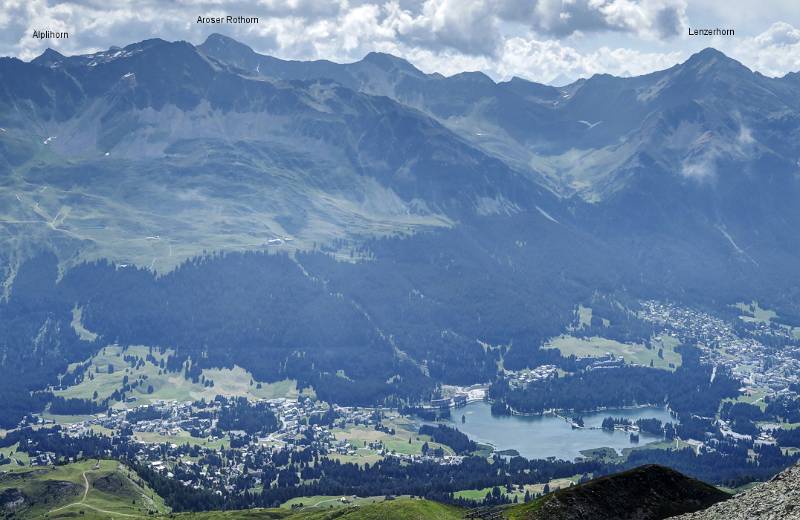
x,y
401,509
324,502
115,492
399,442
167,386
632,352
519,492
61,492
96,207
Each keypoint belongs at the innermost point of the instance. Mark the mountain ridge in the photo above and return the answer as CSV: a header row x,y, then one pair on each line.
x,y
440,149
647,492
419,218
577,98
601,145
136,104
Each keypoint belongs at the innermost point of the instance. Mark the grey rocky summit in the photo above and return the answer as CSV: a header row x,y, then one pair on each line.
x,y
777,499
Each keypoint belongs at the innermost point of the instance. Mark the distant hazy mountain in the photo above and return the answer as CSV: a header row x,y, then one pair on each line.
x,y
258,149
566,133
705,151
228,154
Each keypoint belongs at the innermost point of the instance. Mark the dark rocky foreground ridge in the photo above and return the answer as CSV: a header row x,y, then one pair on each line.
x,y
645,493
777,499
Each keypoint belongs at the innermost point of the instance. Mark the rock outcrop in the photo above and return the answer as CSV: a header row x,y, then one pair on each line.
x,y
777,499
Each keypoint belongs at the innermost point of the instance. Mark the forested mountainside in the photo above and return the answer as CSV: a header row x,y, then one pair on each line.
x,y
369,230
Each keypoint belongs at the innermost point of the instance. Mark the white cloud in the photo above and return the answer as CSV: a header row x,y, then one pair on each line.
x,y
548,61
780,33
701,166
542,40
647,18
470,26
774,52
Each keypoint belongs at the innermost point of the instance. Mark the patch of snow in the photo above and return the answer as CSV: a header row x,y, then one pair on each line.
x,y
588,124
495,206
547,215
734,244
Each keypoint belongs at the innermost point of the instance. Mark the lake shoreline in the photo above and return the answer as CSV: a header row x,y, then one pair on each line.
x,y
557,411
550,434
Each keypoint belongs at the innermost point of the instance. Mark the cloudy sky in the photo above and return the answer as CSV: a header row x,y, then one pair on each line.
x,y
551,41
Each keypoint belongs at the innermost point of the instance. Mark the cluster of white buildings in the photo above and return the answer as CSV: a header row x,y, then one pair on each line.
x,y
739,349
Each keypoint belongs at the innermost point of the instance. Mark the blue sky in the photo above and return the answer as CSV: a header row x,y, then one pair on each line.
x,y
552,41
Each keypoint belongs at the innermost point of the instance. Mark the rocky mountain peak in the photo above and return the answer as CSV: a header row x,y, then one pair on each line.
x,y
49,58
222,46
776,499
388,62
710,61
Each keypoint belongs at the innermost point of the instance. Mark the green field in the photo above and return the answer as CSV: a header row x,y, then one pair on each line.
x,y
605,453
519,491
399,509
610,455
87,489
65,419
752,396
632,352
399,442
660,445
335,501
753,313
12,453
783,426
166,386
182,438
